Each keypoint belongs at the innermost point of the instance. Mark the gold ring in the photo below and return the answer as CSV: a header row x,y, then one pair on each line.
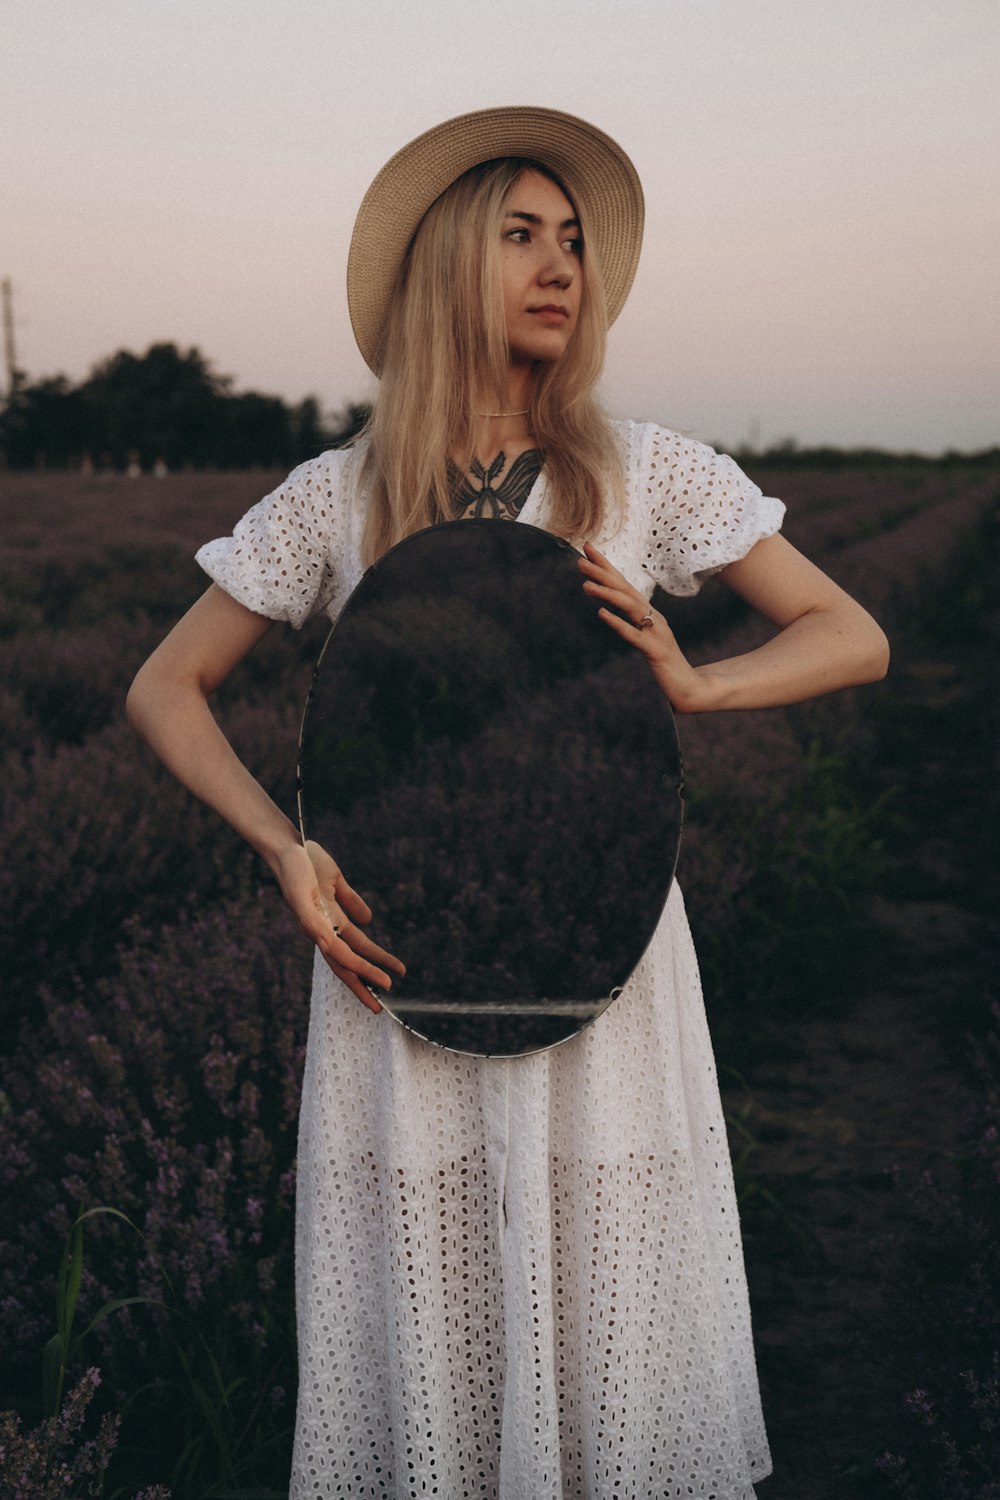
x,y
646,623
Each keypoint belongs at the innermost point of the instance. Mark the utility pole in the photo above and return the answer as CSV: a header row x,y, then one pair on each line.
x,y
10,357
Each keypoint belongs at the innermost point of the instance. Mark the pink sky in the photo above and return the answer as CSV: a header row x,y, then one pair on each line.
x,y
821,183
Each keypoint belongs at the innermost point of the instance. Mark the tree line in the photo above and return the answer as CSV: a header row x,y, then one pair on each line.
x,y
166,408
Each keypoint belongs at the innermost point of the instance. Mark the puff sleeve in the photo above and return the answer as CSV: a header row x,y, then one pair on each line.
x,y
285,557
700,511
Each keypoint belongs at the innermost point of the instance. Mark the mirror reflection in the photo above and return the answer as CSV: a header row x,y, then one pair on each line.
x,y
499,776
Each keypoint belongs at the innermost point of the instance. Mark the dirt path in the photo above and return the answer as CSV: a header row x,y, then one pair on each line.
x,y
852,1106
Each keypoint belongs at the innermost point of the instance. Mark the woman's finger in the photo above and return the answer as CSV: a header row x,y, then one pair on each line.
x,y
347,910
369,949
341,943
646,622
328,910
355,986
631,603
335,884
635,633
631,616
592,555
602,581
355,906
597,567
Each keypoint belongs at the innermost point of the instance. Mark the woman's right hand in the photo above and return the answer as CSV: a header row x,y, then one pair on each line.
x,y
168,706
331,914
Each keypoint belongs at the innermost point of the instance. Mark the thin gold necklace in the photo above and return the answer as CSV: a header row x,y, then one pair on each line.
x,y
523,413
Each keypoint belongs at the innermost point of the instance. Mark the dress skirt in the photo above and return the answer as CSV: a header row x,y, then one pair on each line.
x,y
522,1279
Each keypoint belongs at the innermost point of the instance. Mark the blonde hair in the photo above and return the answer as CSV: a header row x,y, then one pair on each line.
x,y
446,341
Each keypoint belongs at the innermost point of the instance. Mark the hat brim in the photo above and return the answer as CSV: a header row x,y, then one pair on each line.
x,y
601,176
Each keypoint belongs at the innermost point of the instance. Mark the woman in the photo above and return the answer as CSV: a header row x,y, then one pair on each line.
x,y
517,1278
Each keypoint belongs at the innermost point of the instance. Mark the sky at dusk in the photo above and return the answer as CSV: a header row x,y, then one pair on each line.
x,y
822,186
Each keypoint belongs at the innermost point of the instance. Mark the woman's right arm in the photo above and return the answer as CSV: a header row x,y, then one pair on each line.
x,y
168,706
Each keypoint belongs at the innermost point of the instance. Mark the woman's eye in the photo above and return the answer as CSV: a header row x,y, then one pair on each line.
x,y
575,247
521,236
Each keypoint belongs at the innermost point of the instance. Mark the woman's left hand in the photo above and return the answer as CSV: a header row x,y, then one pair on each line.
x,y
824,641
632,617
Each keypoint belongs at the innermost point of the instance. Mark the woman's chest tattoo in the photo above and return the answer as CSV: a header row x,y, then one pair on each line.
x,y
478,494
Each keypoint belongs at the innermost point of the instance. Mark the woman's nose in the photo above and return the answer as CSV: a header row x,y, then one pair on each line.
x,y
559,270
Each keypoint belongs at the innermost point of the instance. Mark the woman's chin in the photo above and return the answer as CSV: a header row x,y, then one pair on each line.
x,y
542,353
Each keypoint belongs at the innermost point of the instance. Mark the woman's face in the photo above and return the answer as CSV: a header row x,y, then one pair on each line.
x,y
541,269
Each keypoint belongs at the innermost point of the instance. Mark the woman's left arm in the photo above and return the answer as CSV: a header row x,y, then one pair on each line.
x,y
825,639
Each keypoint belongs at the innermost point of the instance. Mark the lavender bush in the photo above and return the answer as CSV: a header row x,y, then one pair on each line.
x,y
945,1299
155,989
949,1442
46,1464
170,1090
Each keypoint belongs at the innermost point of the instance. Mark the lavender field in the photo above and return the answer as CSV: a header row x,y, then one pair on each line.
x,y
838,868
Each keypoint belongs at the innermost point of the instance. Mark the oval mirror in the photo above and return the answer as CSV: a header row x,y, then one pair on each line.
x,y
499,776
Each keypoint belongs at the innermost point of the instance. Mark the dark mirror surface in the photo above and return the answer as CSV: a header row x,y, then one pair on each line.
x,y
499,776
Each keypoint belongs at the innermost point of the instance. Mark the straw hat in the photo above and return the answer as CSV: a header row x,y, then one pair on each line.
x,y
600,175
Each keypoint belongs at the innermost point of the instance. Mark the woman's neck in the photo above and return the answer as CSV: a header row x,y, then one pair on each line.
x,y
501,420
509,434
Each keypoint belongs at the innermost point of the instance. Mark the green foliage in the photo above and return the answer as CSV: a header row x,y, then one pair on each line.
x,y
788,455
215,1433
166,405
65,1344
781,898
822,869
756,1200
167,401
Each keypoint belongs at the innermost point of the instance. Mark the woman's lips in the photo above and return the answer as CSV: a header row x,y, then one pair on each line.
x,y
550,314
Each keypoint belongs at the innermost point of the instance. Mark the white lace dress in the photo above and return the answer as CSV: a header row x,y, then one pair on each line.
x,y
519,1279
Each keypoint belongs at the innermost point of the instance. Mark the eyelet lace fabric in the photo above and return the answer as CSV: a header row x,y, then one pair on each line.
x,y
519,1279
